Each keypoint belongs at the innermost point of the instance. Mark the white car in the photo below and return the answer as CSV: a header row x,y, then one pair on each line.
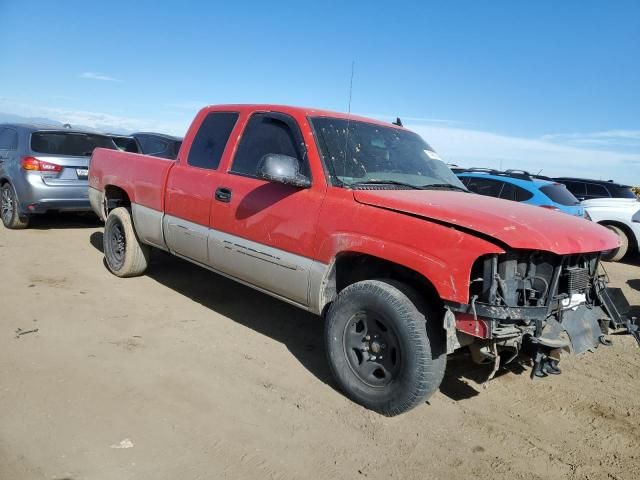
x,y
622,215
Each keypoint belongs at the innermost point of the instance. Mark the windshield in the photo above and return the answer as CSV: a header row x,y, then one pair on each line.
x,y
74,144
376,153
558,193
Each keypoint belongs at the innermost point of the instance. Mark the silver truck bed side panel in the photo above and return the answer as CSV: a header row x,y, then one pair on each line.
x,y
148,223
95,199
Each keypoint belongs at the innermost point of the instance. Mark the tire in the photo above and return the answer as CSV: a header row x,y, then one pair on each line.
x,y
124,254
9,210
617,254
383,347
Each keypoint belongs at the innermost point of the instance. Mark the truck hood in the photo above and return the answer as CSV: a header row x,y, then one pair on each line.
x,y
514,224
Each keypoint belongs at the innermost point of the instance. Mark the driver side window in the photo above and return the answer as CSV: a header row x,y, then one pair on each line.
x,y
266,134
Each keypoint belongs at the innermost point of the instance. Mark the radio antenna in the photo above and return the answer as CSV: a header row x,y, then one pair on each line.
x,y
353,64
346,136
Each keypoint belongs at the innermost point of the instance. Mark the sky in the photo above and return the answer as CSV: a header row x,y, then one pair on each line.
x,y
537,85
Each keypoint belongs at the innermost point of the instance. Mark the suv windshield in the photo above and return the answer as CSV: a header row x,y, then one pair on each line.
x,y
75,144
357,152
558,193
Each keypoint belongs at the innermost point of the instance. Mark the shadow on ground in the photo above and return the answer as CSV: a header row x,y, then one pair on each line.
x,y
63,220
632,259
299,331
464,378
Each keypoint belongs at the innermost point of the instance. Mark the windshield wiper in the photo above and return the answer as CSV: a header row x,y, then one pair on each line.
x,y
384,182
447,186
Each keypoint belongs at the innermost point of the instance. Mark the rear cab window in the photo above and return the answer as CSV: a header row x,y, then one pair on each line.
x,y
558,193
211,139
71,144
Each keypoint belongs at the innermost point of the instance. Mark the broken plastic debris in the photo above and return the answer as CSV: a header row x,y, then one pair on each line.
x,y
20,332
126,443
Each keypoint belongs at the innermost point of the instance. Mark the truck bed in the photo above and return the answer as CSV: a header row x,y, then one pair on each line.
x,y
142,177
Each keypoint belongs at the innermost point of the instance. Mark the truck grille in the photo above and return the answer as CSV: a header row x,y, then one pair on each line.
x,y
575,279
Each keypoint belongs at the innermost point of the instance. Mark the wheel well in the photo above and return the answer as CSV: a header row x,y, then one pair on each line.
x,y
349,268
115,197
633,241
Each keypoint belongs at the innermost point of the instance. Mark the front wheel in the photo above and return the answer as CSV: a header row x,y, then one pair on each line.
x,y
383,347
125,255
9,211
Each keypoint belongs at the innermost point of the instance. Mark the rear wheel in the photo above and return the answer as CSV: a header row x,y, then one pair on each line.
x,y
383,348
125,255
9,211
617,254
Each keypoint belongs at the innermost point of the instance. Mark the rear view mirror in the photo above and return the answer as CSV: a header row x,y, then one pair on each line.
x,y
282,169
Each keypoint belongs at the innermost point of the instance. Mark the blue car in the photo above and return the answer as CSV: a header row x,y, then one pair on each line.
x,y
521,186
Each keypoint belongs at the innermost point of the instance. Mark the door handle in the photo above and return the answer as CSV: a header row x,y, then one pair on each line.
x,y
223,194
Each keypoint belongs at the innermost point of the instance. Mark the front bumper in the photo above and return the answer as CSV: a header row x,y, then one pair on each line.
x,y
582,324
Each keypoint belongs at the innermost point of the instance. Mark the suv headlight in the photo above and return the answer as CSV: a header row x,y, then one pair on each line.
x,y
636,217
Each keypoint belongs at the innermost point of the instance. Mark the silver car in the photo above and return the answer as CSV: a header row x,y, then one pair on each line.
x,y
44,168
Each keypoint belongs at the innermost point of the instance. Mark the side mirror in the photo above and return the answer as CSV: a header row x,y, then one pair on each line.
x,y
282,169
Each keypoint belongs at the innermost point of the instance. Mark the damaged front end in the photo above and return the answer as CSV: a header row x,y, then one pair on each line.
x,y
537,303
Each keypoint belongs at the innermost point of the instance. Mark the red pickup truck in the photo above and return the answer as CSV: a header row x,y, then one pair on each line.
x,y
360,222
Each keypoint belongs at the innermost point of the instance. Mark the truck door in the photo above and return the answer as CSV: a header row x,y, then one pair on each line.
x,y
191,185
263,232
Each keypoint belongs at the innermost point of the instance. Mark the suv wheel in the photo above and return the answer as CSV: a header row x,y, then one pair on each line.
x,y
9,209
125,255
617,254
383,347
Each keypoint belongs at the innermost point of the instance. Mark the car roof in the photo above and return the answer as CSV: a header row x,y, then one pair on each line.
x,y
119,135
523,182
35,127
305,111
588,180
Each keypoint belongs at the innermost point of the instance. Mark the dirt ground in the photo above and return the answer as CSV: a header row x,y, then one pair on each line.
x,y
182,374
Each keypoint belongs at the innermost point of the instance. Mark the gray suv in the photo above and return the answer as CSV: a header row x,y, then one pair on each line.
x,y
44,168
